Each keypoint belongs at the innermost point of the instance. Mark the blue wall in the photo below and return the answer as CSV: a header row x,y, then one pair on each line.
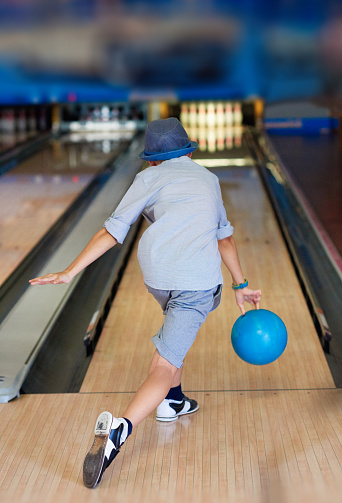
x,y
200,49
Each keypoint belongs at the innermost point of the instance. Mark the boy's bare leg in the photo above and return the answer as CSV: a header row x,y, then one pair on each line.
x,y
178,377
161,377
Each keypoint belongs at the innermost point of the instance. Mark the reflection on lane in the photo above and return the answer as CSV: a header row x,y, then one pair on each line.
x,y
39,190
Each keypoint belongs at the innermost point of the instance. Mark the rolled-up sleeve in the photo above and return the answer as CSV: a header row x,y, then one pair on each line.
x,y
128,210
224,227
224,231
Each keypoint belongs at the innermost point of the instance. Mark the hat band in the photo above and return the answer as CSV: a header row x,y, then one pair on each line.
x,y
156,153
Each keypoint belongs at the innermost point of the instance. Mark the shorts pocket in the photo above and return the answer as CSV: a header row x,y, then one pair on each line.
x,y
217,297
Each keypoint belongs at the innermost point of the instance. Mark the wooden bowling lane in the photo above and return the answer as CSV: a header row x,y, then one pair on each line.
x,y
261,434
39,190
124,350
259,446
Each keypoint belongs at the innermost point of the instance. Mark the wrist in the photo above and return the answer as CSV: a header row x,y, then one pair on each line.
x,y
240,286
69,273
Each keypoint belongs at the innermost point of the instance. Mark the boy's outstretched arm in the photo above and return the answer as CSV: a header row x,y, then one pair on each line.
x,y
101,242
230,258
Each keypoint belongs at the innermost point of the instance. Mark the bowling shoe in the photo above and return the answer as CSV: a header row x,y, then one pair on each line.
x,y
110,434
169,410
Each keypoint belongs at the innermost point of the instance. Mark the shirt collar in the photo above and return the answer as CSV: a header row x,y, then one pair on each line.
x,y
177,159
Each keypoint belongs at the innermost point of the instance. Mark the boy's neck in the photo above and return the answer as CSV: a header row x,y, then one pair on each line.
x,y
156,163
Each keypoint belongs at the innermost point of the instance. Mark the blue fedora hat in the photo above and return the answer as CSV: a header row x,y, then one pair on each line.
x,y
166,139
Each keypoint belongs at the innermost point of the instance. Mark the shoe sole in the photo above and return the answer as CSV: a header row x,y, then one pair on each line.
x,y
93,463
174,418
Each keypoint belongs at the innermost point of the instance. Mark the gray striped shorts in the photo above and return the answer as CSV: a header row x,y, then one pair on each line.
x,y
184,311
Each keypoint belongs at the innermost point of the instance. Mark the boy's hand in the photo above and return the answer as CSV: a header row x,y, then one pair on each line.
x,y
54,278
247,295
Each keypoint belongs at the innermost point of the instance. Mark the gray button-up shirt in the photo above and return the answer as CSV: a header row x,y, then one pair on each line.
x,y
182,202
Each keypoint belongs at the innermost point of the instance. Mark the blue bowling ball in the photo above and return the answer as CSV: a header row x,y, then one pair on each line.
x,y
259,337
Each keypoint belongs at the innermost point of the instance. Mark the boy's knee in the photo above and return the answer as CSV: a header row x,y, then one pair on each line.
x,y
159,361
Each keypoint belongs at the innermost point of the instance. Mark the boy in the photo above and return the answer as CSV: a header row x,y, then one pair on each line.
x,y
180,258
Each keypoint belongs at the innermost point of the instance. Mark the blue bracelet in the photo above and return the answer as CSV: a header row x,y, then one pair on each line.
x,y
240,285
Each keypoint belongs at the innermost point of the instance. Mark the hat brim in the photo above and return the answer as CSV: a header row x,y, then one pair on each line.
x,y
164,156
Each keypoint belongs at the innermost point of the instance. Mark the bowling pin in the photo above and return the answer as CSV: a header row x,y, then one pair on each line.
x,y
211,116
229,114
8,121
193,115
184,116
192,133
32,121
105,113
220,114
202,139
21,120
229,137
201,115
212,140
237,114
220,138
96,114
